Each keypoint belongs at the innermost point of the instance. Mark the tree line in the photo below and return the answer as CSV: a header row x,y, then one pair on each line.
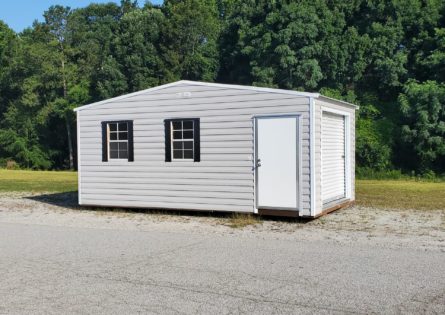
x,y
388,56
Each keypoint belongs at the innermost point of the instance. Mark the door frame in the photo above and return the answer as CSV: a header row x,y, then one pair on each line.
x,y
348,166
299,174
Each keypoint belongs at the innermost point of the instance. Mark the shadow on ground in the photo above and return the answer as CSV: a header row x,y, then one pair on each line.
x,y
70,200
64,199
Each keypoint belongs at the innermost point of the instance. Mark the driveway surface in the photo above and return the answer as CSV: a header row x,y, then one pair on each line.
x,y
56,259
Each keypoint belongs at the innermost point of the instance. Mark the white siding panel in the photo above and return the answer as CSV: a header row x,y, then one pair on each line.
x,y
218,119
182,205
111,195
192,103
137,174
222,181
127,182
261,107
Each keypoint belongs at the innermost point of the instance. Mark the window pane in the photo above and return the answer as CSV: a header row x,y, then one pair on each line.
x,y
177,134
123,126
123,135
188,154
123,154
188,124
176,125
177,145
122,146
188,145
113,127
113,136
114,146
188,134
113,154
177,154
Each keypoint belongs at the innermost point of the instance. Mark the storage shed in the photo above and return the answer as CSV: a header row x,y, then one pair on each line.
x,y
218,147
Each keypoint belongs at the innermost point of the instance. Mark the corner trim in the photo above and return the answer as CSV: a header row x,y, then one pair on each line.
x,y
79,172
312,154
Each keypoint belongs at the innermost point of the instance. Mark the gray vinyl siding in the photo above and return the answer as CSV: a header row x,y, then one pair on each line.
x,y
332,104
223,180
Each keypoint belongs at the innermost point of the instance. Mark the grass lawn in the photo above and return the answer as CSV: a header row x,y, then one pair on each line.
x,y
400,194
37,181
397,194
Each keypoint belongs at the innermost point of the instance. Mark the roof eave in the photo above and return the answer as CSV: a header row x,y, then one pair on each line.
x,y
339,101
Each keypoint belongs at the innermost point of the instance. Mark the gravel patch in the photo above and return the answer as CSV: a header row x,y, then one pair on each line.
x,y
377,226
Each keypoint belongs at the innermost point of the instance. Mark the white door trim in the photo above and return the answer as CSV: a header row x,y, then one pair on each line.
x,y
348,166
298,159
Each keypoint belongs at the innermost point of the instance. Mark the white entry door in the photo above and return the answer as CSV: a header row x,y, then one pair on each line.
x,y
333,157
277,162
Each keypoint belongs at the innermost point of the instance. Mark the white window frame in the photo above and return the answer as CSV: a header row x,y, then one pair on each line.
x,y
172,140
109,141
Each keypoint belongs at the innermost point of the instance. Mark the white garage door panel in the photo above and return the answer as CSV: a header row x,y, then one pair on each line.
x,y
333,157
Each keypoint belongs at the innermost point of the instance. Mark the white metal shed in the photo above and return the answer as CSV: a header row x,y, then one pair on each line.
x,y
218,147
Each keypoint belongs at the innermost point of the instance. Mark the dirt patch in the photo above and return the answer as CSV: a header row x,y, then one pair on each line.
x,y
383,227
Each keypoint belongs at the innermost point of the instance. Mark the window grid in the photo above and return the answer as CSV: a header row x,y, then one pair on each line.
x,y
182,139
117,140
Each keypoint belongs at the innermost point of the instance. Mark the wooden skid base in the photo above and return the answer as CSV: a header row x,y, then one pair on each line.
x,y
278,213
345,204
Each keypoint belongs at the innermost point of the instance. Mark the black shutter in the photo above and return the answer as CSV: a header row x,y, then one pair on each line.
x,y
104,142
197,141
168,151
130,142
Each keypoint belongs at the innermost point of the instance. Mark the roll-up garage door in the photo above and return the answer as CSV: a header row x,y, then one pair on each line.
x,y
333,157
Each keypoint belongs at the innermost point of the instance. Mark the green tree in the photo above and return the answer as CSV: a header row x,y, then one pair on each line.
x,y
423,111
434,62
136,48
294,45
189,40
56,20
92,31
8,46
21,125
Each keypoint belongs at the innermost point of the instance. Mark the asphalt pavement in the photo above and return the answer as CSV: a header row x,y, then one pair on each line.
x,y
57,270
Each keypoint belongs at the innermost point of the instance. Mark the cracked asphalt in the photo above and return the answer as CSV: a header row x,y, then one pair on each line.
x,y
123,267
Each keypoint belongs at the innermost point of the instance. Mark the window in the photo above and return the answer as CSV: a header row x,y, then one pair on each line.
x,y
182,140
117,140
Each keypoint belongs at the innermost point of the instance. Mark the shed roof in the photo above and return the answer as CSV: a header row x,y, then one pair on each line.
x,y
232,86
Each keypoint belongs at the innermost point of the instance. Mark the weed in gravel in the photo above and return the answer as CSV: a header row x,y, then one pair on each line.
x,y
241,220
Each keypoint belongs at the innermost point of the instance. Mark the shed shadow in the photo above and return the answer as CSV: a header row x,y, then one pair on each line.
x,y
69,200
64,199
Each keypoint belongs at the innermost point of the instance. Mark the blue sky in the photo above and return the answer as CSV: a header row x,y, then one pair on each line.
x,y
19,14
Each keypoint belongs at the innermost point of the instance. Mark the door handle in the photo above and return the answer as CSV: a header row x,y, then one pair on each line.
x,y
258,163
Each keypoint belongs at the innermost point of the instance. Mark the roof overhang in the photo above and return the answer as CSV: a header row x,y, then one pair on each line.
x,y
330,99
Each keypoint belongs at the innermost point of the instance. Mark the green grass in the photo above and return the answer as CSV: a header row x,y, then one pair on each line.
x,y
393,194
37,181
401,194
